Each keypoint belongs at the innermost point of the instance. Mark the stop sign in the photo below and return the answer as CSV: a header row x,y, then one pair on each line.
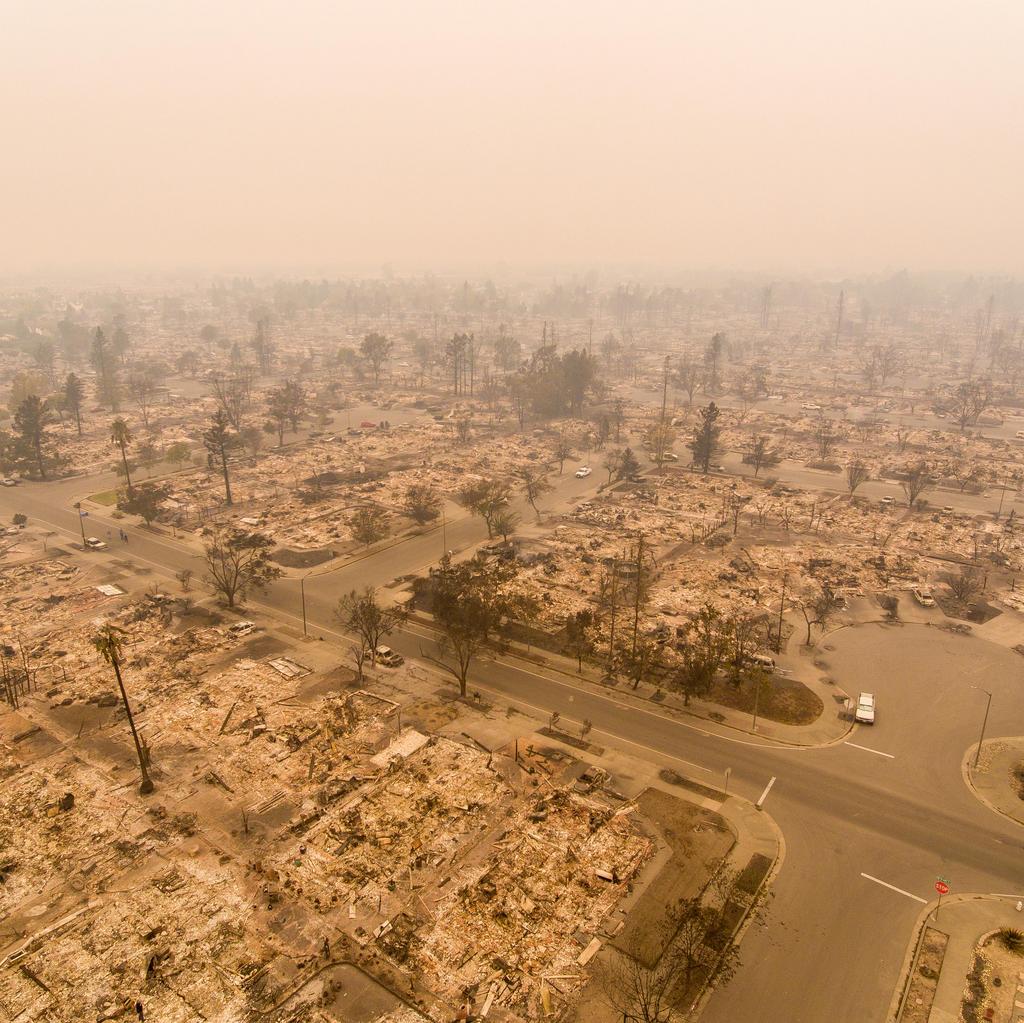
x,y
941,887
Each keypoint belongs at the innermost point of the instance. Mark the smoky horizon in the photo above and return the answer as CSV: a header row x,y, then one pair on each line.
x,y
669,139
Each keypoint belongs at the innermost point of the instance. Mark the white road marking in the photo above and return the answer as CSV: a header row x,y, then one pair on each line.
x,y
867,749
892,887
764,795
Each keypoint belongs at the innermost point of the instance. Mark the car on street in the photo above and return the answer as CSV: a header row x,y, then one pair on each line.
x,y
242,628
388,657
948,509
887,502
8,482
94,543
865,713
923,596
809,406
583,472
764,661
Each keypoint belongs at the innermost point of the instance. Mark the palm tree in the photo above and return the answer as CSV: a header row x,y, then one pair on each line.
x,y
109,641
122,437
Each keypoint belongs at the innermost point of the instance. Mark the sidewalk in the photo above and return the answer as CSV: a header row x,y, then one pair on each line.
x,y
944,942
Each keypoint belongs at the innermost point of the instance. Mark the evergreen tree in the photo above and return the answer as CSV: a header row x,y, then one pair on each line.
x,y
705,445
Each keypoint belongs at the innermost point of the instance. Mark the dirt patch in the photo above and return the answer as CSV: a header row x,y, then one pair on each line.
x,y
992,982
784,700
698,839
290,558
429,715
925,980
1018,778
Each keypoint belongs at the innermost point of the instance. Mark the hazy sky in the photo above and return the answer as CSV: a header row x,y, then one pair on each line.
x,y
768,134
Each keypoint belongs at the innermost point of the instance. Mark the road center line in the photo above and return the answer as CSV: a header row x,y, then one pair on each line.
x,y
892,887
764,795
867,749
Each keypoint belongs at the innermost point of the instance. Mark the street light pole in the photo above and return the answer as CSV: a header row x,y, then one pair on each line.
x,y
302,591
782,607
984,722
81,524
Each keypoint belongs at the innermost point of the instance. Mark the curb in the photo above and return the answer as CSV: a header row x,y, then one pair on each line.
x,y
655,708
965,773
897,1003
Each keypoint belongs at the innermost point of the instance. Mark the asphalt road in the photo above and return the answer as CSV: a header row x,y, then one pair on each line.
x,y
893,806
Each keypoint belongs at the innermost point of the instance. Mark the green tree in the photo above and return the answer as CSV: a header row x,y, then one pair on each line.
x,y
145,500
74,394
578,640
629,466
368,524
220,440
469,603
705,443
376,350
178,453
703,652
422,503
109,642
237,562
30,422
121,437
486,498
107,387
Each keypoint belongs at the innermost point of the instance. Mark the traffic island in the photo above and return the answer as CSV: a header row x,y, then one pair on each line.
x,y
965,964
996,776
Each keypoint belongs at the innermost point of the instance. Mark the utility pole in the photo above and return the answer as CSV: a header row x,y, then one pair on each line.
x,y
757,697
664,392
302,591
611,629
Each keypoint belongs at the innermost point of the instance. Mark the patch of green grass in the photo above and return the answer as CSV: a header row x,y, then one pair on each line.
x,y
107,497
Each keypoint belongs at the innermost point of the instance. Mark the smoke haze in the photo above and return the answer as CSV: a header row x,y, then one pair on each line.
x,y
332,136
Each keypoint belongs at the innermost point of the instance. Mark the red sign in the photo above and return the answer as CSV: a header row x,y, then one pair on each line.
x,y
941,887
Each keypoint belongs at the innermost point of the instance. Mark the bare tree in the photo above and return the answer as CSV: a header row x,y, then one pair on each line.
x,y
965,584
857,473
237,562
563,450
969,401
760,454
535,485
372,622
917,481
109,643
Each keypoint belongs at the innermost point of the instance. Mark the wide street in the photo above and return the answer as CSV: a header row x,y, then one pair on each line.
x,y
868,823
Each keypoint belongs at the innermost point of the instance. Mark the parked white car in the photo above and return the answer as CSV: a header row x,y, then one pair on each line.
x,y
242,628
924,597
865,709
94,543
583,472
